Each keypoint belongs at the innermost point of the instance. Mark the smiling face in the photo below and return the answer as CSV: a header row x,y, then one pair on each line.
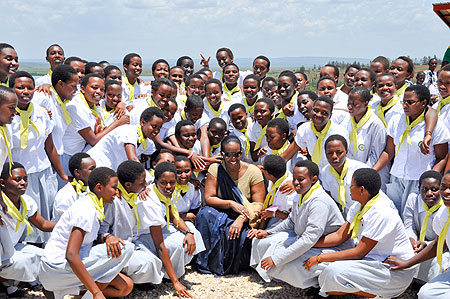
x,y
94,90
336,154
169,111
79,67
260,68
321,113
285,87
152,127
349,77
162,95
230,74
429,191
262,113
187,136
301,82
55,56
444,83
305,105
109,191
250,88
238,119
385,88
113,95
232,154
399,69
362,78
223,58
356,107
166,183
114,75
213,95
161,70
9,62
196,86
188,67
327,88
17,183
302,181
377,67
134,69
194,114
445,190
216,133
184,171
24,88
177,75
87,166
274,138
269,87
8,109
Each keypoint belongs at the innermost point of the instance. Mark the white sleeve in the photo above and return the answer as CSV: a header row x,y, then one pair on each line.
x,y
150,213
378,227
300,136
79,116
31,205
83,218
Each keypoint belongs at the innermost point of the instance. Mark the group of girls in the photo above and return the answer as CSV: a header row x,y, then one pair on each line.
x,y
103,175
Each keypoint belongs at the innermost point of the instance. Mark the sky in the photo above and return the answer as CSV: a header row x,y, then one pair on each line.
x,y
96,30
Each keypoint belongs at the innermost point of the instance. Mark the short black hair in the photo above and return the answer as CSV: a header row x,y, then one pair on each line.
x,y
19,74
289,74
372,74
47,52
430,174
110,68
269,79
193,102
72,58
326,77
6,170
281,125
156,156
75,162
353,65
217,121
85,80
89,65
410,63
193,76
230,139
383,75
303,74
180,60
4,91
214,81
383,60
229,52
176,67
263,58
64,73
369,179
325,99
160,81
179,158
230,64
164,167
180,124
252,77
336,69
311,94
446,68
129,171
151,112
363,93
128,57
336,137
159,61
5,46
422,92
275,165
269,103
108,83
313,169
100,175
236,106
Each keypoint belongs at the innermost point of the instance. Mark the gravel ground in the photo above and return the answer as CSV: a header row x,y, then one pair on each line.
x,y
244,285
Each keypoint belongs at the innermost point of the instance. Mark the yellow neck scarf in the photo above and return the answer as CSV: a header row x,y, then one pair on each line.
x,y
261,136
429,211
357,126
280,150
317,152
78,185
50,72
131,87
307,195
408,129
247,141
271,195
63,106
441,241
230,92
169,205
14,212
25,122
340,179
183,115
401,90
356,220
6,83
5,135
382,109
130,198
98,204
141,139
213,148
182,188
215,113
250,108
93,109
442,103
106,113
151,102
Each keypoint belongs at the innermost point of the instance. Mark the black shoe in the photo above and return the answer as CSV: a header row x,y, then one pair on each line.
x,y
17,294
48,294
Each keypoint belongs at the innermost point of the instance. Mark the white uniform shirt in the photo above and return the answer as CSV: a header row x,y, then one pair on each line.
x,y
413,217
330,184
108,118
382,223
438,223
46,79
284,202
138,89
151,212
410,163
393,112
340,100
64,199
81,214
33,157
305,138
82,118
31,210
110,150
191,200
243,139
253,134
60,125
223,114
203,121
295,120
444,115
120,220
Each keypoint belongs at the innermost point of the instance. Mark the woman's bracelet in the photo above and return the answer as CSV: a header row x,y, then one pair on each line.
x,y
318,259
428,133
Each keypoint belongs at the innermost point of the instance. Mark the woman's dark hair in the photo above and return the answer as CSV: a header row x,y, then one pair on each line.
x,y
6,171
369,179
336,137
19,74
289,74
100,175
430,174
275,165
129,171
229,139
64,73
180,124
75,162
421,91
157,62
363,93
164,167
216,81
313,169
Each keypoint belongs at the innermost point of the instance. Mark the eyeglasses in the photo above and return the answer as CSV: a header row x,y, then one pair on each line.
x,y
409,102
231,155
185,171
